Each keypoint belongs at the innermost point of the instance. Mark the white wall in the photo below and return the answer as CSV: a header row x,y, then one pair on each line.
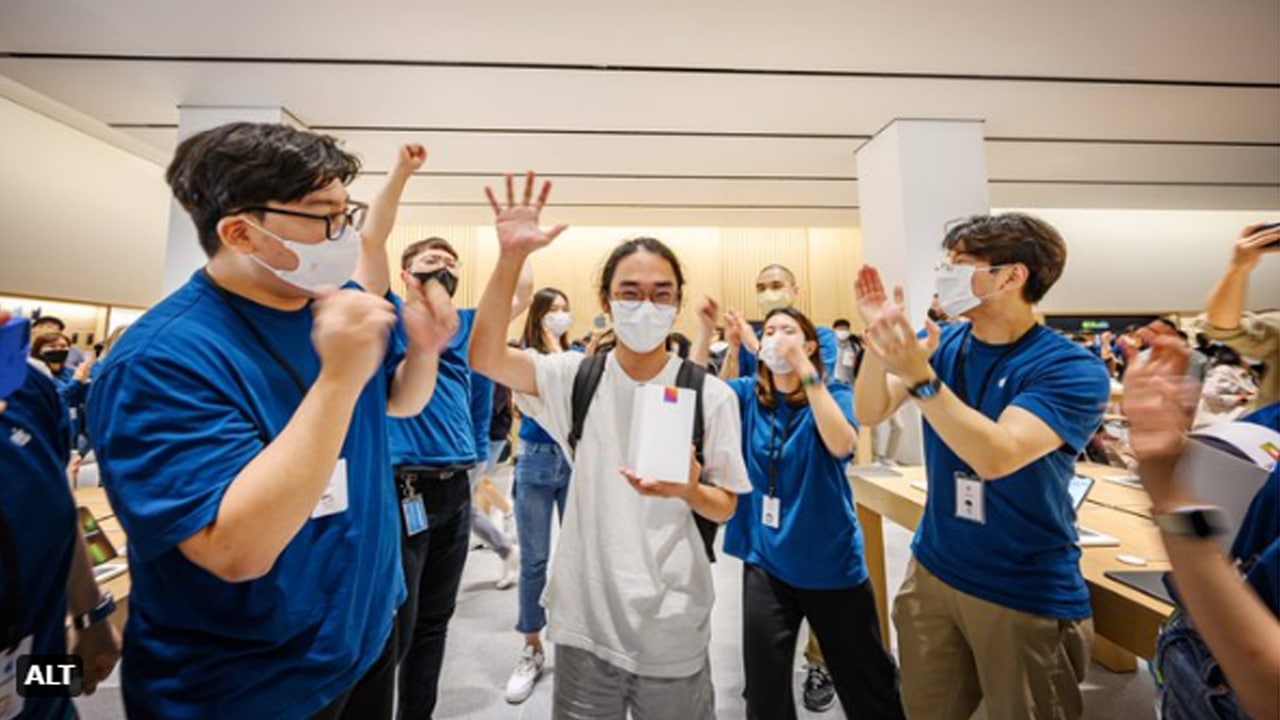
x,y
1158,260
80,219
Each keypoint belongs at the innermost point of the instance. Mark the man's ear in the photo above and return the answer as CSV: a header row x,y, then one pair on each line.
x,y
234,233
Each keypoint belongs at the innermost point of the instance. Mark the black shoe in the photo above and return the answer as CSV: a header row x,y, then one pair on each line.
x,y
819,693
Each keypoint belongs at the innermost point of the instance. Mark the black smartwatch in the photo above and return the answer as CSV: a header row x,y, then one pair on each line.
x,y
100,612
1195,521
925,390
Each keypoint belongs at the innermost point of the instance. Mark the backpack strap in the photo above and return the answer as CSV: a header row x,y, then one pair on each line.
x,y
692,377
585,383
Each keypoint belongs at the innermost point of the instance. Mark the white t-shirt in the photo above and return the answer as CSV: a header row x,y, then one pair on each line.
x,y
630,581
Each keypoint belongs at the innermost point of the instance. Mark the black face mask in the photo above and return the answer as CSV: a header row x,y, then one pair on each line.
x,y
441,275
54,357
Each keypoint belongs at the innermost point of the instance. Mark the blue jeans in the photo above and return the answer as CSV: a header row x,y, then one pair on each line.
x,y
541,483
1189,683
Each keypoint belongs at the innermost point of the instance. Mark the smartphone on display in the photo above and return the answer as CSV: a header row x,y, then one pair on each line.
x,y
15,343
1269,226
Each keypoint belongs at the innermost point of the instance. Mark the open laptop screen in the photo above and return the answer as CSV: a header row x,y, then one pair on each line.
x,y
1078,489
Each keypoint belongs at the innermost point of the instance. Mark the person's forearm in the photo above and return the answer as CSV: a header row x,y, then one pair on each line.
x,y
986,447
373,269
700,348
872,400
489,354
839,437
729,369
82,590
413,384
1225,304
523,296
1238,628
270,500
711,502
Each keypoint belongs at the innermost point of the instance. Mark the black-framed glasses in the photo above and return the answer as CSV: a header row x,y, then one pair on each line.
x,y
334,223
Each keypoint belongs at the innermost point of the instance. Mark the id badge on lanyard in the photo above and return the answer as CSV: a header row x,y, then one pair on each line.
x,y
970,498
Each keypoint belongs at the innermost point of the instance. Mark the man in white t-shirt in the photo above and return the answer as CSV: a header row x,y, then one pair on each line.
x,y
630,593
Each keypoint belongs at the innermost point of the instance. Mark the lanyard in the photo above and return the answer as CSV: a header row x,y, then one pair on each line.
x,y
12,610
962,379
775,448
257,335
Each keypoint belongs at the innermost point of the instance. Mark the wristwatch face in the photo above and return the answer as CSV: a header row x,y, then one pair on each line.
x,y
1204,522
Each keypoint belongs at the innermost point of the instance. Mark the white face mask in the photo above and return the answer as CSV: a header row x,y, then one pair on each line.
x,y
769,355
719,346
842,335
954,284
328,262
644,327
771,300
557,322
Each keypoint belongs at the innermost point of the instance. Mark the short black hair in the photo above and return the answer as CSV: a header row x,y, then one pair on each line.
x,y
840,322
221,171
1010,238
46,319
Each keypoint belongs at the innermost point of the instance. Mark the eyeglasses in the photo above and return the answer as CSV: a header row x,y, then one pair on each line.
x,y
447,261
334,223
631,298
944,266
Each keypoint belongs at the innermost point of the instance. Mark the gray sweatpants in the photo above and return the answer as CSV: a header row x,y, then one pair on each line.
x,y
588,688
483,527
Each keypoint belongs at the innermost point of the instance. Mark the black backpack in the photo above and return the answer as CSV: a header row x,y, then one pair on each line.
x,y
690,376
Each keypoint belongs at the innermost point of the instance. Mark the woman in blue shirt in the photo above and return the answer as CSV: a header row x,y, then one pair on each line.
x,y
541,484
72,383
797,533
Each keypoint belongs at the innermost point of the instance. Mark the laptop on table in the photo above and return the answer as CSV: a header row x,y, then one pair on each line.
x,y
106,560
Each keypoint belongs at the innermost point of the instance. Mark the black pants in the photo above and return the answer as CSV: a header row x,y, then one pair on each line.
x,y
845,621
373,694
433,562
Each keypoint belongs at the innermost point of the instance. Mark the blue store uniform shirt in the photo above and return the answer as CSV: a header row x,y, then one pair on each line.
x,y
1024,557
182,404
818,544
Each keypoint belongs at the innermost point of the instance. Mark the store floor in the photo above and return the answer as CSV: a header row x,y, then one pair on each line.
x,y
483,648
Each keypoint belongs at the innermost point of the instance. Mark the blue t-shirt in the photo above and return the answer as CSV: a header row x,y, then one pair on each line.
x,y
818,543
532,432
444,433
183,403
481,413
1257,543
1024,557
41,515
828,347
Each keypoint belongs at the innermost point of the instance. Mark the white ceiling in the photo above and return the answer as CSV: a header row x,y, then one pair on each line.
x,y
711,112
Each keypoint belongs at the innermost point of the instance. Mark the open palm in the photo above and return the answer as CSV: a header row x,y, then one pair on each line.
x,y
517,223
873,301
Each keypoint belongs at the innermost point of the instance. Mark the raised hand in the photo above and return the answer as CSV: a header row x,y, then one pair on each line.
x,y
707,310
1160,400
517,223
410,158
872,300
350,333
738,331
1255,241
893,341
430,319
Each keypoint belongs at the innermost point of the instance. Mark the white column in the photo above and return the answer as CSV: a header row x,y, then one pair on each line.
x,y
914,177
183,255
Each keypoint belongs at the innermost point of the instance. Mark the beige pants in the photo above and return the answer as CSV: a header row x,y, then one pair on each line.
x,y
956,649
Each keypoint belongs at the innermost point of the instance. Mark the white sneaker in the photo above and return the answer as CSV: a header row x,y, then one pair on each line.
x,y
510,569
526,674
